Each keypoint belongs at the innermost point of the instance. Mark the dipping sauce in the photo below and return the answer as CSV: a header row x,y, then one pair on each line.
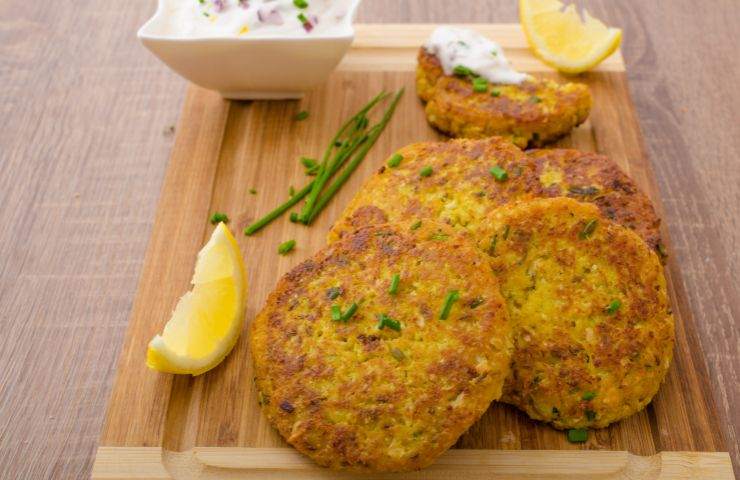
x,y
460,47
257,18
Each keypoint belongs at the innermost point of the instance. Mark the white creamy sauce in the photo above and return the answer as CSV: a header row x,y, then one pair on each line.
x,y
461,47
256,18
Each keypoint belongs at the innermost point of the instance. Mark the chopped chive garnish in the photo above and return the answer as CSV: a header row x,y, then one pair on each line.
x,y
386,321
286,247
577,435
336,313
291,191
253,191
300,3
588,396
613,307
480,84
495,92
451,298
492,245
426,171
397,354
588,229
294,217
219,217
494,53
302,18
499,173
416,225
506,232
338,143
438,236
348,313
302,115
476,302
395,160
205,14
534,99
461,70
308,162
394,284
590,415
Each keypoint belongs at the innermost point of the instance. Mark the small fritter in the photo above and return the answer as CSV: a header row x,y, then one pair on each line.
x,y
395,384
460,190
534,113
593,330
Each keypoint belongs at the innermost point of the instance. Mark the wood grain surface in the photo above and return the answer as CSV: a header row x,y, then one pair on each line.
x,y
87,120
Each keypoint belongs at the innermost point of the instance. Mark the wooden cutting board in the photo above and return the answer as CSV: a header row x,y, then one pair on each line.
x,y
162,426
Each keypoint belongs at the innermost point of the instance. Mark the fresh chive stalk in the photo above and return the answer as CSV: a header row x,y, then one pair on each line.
x,y
286,247
499,173
298,196
426,171
613,307
386,321
336,313
348,313
367,144
395,160
588,396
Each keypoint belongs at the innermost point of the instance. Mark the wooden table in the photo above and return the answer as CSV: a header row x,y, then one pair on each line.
x,y
86,127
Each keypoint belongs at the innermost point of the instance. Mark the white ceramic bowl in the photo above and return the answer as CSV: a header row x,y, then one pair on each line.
x,y
250,68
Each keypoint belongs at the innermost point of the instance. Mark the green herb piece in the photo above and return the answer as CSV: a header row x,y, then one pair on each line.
x,y
480,84
291,191
588,229
348,313
451,298
426,171
590,415
397,354
253,191
662,251
286,247
588,396
499,173
312,167
476,302
293,217
577,435
495,92
303,19
300,3
395,160
462,71
219,217
494,53
333,293
613,307
361,142
492,245
386,321
205,14
336,313
534,99
394,284
338,143
438,236
506,232
555,411
416,225
302,115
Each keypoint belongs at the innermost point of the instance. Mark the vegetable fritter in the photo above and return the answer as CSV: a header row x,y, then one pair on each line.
x,y
381,350
593,330
534,113
470,178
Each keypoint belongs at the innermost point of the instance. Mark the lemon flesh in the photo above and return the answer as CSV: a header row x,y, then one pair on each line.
x,y
561,39
208,319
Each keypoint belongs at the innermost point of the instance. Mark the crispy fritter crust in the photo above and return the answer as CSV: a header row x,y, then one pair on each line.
x,y
533,113
575,364
461,191
353,396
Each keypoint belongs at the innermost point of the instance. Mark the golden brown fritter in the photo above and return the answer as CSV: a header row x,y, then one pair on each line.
x,y
461,191
534,113
587,298
354,396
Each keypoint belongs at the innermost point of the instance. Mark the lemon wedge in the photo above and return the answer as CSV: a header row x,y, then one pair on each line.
x,y
562,40
208,319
